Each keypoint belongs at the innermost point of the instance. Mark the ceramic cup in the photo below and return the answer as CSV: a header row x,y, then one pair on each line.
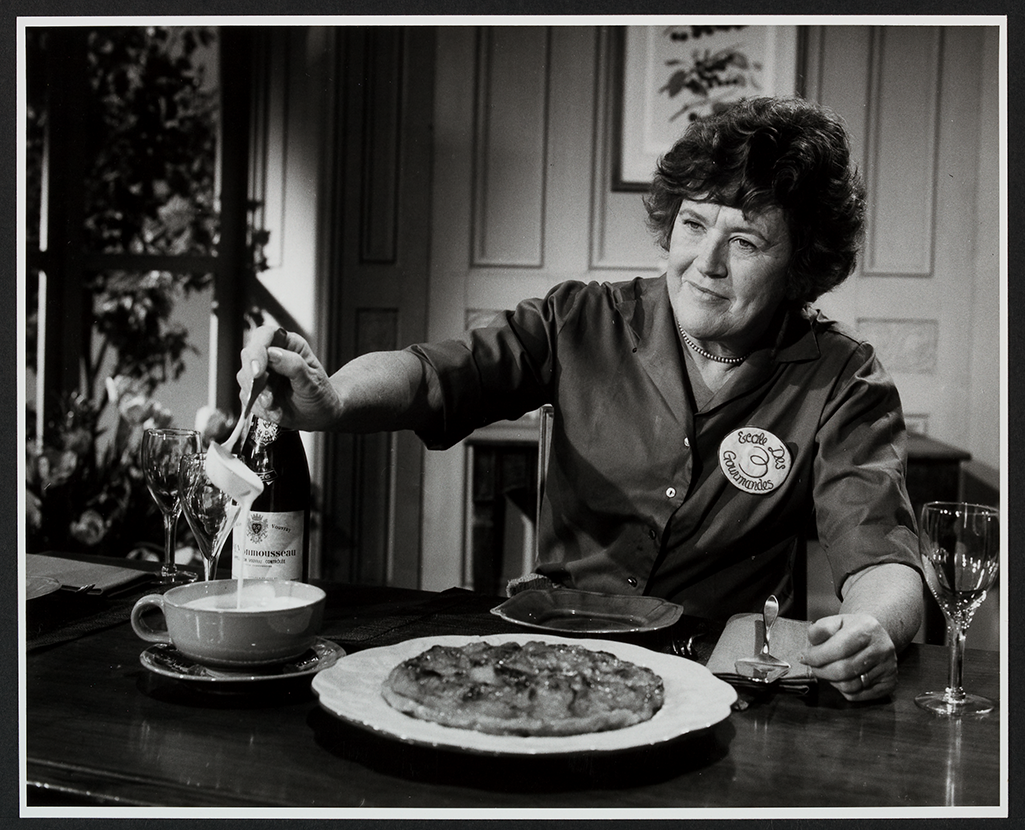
x,y
275,621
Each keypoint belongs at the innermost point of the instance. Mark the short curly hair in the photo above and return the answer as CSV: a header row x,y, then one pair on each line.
x,y
761,153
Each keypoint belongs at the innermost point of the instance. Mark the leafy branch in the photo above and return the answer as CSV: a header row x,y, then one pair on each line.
x,y
709,76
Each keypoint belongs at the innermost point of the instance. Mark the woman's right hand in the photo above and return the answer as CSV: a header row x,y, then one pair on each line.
x,y
299,393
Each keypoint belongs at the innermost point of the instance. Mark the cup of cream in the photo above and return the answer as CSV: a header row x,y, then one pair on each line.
x,y
234,623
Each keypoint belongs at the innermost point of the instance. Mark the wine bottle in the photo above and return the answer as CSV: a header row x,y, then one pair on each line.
x,y
277,529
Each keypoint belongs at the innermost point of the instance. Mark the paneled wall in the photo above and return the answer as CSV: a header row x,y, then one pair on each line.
x,y
375,296
522,199
920,103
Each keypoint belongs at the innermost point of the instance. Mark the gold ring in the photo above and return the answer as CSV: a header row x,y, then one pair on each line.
x,y
864,685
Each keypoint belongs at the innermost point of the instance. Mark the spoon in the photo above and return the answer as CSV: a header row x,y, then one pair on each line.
x,y
228,471
763,667
259,384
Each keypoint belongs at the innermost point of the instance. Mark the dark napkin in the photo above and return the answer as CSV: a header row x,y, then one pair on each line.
x,y
63,615
60,616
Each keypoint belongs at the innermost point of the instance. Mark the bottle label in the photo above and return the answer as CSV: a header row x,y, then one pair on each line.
x,y
273,546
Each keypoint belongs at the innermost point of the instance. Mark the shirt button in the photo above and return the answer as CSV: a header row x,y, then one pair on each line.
x,y
686,442
632,581
670,492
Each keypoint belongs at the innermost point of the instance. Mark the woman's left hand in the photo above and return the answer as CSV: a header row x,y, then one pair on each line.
x,y
854,653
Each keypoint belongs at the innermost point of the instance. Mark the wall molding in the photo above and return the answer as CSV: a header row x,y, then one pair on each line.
x,y
608,206
901,151
268,166
510,147
383,68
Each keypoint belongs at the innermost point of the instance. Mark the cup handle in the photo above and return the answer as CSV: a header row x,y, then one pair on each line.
x,y
142,628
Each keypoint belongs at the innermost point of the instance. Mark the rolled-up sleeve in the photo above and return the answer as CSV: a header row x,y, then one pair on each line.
x,y
863,514
494,373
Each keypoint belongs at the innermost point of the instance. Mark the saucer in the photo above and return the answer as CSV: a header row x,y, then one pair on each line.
x,y
166,660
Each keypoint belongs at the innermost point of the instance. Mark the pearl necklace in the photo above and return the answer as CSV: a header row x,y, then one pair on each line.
x,y
709,355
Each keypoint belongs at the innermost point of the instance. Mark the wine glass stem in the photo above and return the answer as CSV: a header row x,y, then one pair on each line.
x,y
170,526
210,563
955,690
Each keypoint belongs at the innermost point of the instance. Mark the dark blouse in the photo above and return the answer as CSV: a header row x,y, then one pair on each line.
x,y
642,494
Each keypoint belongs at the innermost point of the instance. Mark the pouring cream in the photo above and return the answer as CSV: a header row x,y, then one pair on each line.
x,y
230,474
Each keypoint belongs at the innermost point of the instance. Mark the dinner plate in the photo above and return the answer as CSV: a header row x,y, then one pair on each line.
x,y
694,700
166,660
40,586
583,612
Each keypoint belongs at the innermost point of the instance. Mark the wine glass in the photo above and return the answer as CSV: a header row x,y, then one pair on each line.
x,y
210,511
959,548
162,450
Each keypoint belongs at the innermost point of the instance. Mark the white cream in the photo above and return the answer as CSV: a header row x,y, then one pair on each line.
x,y
226,602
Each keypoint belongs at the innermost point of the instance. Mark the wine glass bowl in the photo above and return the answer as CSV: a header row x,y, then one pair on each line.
x,y
162,450
210,512
959,546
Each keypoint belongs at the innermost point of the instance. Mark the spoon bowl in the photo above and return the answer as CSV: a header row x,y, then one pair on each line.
x,y
230,474
226,470
763,667
761,671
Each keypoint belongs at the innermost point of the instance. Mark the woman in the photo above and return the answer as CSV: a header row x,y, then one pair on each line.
x,y
701,418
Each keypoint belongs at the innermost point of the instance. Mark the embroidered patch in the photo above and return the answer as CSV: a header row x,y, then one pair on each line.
x,y
754,460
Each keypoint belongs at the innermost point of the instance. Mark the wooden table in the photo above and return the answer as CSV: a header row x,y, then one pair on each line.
x,y
103,731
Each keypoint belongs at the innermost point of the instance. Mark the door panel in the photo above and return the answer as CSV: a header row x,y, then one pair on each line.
x,y
912,98
377,291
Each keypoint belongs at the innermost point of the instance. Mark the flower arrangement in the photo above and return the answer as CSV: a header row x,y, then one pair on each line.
x,y
85,491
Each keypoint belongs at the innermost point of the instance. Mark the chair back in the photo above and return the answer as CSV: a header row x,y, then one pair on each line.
x,y
544,448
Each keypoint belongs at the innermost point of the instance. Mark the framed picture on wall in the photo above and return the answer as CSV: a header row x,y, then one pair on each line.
x,y
669,76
